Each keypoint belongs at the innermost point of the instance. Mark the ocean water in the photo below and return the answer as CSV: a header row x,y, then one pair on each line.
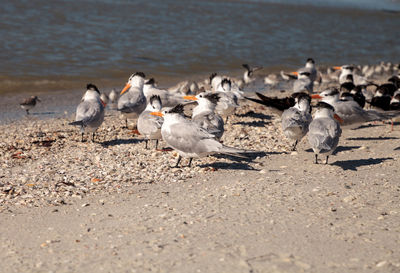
x,y
63,44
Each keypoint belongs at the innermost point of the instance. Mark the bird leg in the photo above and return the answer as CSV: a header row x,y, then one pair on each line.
x,y
82,137
316,159
27,111
93,136
294,146
177,163
156,143
226,120
146,144
326,161
190,162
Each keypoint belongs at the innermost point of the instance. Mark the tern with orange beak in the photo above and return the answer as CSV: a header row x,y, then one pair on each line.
x,y
90,112
132,101
324,131
303,81
150,125
204,113
350,111
189,139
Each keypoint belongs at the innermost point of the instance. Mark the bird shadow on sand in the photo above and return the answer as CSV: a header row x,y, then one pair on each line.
x,y
43,113
352,165
368,126
397,149
120,142
259,123
253,114
371,138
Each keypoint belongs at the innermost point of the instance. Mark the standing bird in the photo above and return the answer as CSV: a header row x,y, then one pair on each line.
x,y
168,99
303,82
296,119
132,101
29,103
189,139
150,125
324,131
349,110
90,112
228,100
204,113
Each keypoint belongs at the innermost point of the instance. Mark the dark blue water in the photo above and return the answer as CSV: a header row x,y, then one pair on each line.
x,y
54,45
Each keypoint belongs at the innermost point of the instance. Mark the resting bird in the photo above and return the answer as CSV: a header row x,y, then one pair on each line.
x,y
189,139
132,101
296,119
90,112
204,113
149,125
324,131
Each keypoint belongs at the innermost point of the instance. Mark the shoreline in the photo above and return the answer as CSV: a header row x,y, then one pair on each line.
x,y
113,205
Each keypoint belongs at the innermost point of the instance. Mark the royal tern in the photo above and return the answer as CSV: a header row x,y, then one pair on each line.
x,y
167,99
149,125
29,103
204,113
296,119
349,111
132,101
303,82
228,99
324,131
350,70
90,112
189,139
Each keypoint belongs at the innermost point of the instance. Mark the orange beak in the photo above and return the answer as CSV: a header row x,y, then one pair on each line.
x,y
341,121
295,73
337,67
159,114
127,86
190,98
316,96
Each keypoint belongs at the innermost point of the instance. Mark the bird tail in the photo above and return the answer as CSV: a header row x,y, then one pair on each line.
x,y
78,122
246,154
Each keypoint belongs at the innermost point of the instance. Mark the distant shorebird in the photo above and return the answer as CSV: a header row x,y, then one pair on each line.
x,y
29,103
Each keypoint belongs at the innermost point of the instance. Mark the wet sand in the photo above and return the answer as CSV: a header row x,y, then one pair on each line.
x,y
112,206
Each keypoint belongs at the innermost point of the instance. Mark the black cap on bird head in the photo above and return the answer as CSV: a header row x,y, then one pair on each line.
x,y
212,76
92,87
151,81
178,109
349,77
155,98
140,74
300,96
310,60
213,97
322,105
226,81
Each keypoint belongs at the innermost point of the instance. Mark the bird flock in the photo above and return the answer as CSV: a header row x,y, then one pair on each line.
x,y
348,95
